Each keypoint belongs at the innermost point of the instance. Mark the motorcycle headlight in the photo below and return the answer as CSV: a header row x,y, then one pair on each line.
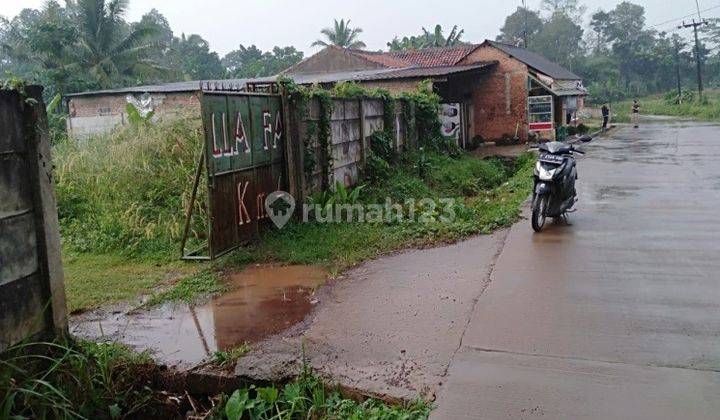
x,y
545,174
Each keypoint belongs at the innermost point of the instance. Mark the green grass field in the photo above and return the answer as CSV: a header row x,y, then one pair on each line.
x,y
658,105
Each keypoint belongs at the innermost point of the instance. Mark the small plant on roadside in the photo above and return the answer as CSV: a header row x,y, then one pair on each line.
x,y
308,397
346,195
229,357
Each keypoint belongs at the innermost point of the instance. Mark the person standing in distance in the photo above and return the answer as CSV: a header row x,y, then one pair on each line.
x,y
635,112
605,116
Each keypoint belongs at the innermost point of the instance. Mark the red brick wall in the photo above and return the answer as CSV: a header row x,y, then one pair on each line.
x,y
114,104
500,98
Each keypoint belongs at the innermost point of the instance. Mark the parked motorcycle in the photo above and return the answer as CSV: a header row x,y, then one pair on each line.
x,y
555,174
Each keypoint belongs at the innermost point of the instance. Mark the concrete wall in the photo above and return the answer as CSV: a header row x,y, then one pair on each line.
x,y
351,121
101,113
500,98
32,294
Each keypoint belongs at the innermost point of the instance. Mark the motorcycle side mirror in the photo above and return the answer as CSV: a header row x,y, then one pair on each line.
x,y
585,139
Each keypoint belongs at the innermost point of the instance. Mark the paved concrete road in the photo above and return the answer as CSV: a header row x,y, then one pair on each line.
x,y
616,316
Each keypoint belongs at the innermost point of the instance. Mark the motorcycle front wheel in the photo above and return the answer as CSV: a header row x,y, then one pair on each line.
x,y
538,212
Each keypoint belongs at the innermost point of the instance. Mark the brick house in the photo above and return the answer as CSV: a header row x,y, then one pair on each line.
x,y
499,92
100,111
490,91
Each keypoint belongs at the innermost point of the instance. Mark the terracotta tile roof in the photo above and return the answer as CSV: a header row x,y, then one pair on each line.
x,y
382,58
428,57
435,57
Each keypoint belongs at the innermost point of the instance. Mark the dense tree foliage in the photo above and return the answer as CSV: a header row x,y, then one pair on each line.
x,y
88,45
618,55
427,39
251,62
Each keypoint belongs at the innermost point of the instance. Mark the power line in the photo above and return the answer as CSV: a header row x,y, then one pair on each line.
x,y
685,17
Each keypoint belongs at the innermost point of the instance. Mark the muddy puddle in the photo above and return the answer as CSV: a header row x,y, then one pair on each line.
x,y
261,301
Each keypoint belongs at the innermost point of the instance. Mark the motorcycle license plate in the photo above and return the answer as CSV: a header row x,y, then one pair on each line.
x,y
550,158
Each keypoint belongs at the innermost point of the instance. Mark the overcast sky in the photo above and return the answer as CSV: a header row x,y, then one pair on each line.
x,y
266,23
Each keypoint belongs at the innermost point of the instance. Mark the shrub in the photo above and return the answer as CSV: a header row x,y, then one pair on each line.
x,y
381,145
128,190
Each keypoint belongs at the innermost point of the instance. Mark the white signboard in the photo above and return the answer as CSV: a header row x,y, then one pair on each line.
x,y
451,121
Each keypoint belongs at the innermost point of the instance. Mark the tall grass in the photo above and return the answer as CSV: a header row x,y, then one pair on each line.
x,y
60,380
127,191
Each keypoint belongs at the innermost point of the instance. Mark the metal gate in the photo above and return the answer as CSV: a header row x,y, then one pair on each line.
x,y
244,157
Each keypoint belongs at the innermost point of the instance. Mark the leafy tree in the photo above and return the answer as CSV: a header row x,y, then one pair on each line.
x,y
193,57
521,24
341,35
711,33
37,45
163,34
237,61
559,40
252,62
428,39
283,58
570,8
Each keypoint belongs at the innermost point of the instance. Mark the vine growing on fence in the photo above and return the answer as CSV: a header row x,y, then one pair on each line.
x,y
300,96
420,113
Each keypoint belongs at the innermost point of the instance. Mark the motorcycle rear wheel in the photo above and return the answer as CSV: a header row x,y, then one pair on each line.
x,y
538,212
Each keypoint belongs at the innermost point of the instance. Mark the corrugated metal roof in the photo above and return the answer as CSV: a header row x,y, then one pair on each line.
x,y
414,72
190,86
536,61
377,74
341,76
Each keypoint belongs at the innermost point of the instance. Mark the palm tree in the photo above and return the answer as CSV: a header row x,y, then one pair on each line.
x,y
107,47
342,35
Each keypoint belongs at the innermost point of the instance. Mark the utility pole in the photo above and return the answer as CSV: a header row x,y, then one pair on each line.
x,y
677,71
525,15
695,26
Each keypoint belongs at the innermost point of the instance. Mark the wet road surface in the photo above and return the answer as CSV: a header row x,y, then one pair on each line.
x,y
388,327
617,315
